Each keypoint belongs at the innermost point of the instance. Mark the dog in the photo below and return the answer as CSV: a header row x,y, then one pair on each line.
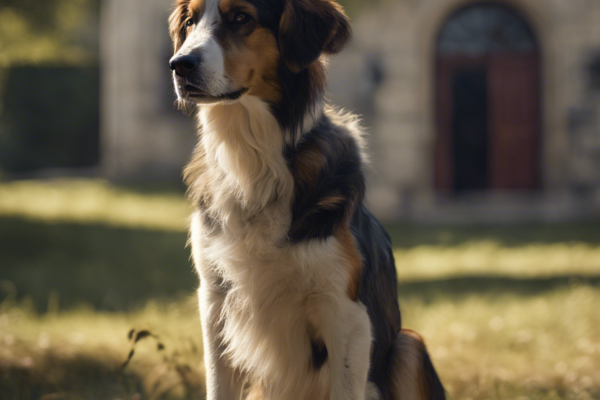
x,y
298,296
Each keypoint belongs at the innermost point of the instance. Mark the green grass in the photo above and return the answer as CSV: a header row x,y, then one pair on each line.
x,y
508,312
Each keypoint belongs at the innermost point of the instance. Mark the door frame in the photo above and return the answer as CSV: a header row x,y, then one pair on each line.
x,y
554,155
444,68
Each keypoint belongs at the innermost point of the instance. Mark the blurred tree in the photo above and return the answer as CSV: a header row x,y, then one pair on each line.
x,y
48,48
59,32
56,128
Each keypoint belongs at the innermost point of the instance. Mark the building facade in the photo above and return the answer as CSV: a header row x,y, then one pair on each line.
x,y
142,135
540,123
477,110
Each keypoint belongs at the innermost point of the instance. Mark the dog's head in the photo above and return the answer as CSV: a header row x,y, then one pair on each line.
x,y
227,48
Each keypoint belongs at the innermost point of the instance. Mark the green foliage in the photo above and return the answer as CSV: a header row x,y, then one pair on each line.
x,y
50,118
109,268
50,31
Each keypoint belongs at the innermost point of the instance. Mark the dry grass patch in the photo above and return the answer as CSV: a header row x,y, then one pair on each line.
x,y
510,346
488,256
81,353
93,201
508,312
507,346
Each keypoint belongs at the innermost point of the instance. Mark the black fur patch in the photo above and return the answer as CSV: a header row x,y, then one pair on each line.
x,y
377,291
300,89
269,13
299,93
434,390
309,28
319,353
328,179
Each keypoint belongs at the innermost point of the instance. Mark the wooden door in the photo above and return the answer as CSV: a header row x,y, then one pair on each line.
x,y
450,70
487,101
511,129
514,122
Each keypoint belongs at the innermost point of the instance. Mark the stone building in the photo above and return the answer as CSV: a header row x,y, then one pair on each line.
x,y
477,110
142,134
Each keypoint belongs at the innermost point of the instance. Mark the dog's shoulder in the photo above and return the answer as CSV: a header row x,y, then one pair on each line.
x,y
327,167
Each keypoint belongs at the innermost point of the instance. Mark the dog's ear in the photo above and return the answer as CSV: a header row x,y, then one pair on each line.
x,y
177,21
309,28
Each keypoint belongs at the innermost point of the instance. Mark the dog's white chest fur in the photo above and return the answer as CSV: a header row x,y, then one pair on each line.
x,y
272,305
271,308
264,300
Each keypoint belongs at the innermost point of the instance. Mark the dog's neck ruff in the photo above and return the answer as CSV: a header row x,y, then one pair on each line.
x,y
239,167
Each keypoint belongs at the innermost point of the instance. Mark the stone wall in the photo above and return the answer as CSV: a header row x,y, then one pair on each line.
x,y
404,33
143,136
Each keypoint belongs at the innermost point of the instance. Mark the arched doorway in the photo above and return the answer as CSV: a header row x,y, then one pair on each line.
x,y
487,102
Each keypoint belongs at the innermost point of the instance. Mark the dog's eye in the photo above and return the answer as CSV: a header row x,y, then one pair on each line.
x,y
189,22
240,18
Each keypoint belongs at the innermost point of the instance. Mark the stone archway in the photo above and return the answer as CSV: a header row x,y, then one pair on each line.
x,y
487,101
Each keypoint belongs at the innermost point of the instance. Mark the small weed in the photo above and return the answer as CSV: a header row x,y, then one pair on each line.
x,y
173,374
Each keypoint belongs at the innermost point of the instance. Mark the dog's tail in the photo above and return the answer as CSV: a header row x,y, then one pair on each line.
x,y
413,376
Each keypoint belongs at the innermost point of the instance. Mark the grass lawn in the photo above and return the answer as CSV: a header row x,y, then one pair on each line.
x,y
508,312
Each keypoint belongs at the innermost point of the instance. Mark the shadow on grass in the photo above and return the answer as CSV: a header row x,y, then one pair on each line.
x,y
109,268
52,376
491,285
56,375
118,268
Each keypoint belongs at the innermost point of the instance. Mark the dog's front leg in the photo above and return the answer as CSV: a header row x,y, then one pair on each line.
x,y
346,331
222,381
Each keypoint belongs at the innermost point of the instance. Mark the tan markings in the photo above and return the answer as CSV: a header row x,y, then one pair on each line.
x,y
407,375
256,52
416,336
225,6
184,10
312,158
353,258
177,21
331,202
421,386
196,9
308,164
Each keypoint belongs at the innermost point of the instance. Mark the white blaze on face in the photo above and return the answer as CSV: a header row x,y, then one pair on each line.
x,y
202,42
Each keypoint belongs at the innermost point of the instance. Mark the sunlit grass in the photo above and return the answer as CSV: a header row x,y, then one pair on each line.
x,y
486,256
93,201
80,353
56,33
507,312
484,347
510,346
99,202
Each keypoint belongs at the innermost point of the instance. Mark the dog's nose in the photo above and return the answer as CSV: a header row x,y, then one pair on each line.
x,y
184,65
